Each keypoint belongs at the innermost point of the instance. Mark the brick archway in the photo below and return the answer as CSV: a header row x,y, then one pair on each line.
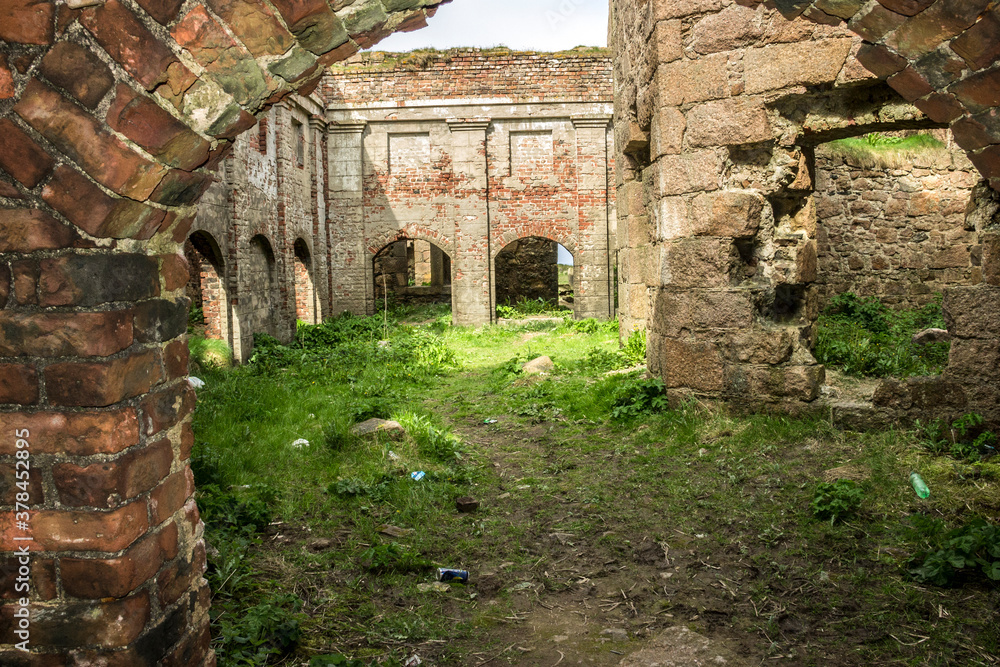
x,y
305,288
112,113
716,114
208,285
390,255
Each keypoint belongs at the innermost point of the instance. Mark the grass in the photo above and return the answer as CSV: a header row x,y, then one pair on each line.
x,y
587,521
532,308
884,151
209,353
862,337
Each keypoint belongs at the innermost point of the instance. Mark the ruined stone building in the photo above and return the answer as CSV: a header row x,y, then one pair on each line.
x,y
461,153
728,217
116,114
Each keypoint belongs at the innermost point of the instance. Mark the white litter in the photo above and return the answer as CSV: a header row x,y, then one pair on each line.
x,y
197,383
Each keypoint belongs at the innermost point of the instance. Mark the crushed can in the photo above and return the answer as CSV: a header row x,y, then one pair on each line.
x,y
447,574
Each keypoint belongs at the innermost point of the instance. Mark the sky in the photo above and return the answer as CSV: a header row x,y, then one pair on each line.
x,y
529,25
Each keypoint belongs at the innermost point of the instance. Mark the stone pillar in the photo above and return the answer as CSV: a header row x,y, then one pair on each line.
x,y
973,316
422,272
593,291
438,278
348,257
320,253
470,289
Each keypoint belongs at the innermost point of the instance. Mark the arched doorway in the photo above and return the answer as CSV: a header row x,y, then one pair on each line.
x,y
534,274
206,287
412,271
305,290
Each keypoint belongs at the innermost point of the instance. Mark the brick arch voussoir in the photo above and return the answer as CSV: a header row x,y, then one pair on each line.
x,y
959,87
411,232
113,114
117,111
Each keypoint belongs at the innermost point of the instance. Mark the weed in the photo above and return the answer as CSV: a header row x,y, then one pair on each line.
x,y
196,317
237,512
836,501
966,439
353,487
863,337
432,442
635,347
530,307
393,557
600,359
340,660
590,325
958,554
637,396
210,352
265,630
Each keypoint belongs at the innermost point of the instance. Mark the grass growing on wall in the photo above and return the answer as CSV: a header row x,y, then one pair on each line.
x,y
884,151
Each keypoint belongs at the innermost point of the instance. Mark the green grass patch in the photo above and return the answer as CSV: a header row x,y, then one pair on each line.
x,y
883,151
863,337
325,553
523,308
209,353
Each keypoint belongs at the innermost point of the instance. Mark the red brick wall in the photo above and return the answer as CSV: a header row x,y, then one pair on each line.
x,y
468,73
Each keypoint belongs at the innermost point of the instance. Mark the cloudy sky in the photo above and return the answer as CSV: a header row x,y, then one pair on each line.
x,y
536,25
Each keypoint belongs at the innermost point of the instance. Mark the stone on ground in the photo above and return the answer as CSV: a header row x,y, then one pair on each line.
x,y
680,647
931,336
538,365
373,427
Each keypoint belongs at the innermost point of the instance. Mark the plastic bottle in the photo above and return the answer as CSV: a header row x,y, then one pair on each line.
x,y
919,485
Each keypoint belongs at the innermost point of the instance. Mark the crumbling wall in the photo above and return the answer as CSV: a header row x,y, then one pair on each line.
x,y
496,74
895,232
470,166
718,107
272,186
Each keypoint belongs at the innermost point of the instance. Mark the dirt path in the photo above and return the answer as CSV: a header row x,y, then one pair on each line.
x,y
590,596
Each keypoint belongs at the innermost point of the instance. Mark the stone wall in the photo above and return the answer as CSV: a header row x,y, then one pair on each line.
x,y
718,107
897,232
267,199
500,74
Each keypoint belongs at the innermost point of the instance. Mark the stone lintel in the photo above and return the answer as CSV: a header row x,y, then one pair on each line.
x,y
347,127
468,124
600,122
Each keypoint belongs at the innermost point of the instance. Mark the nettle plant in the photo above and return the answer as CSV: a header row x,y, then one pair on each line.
x,y
836,501
957,555
966,438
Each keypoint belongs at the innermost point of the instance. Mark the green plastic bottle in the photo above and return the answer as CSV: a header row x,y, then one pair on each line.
x,y
919,485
